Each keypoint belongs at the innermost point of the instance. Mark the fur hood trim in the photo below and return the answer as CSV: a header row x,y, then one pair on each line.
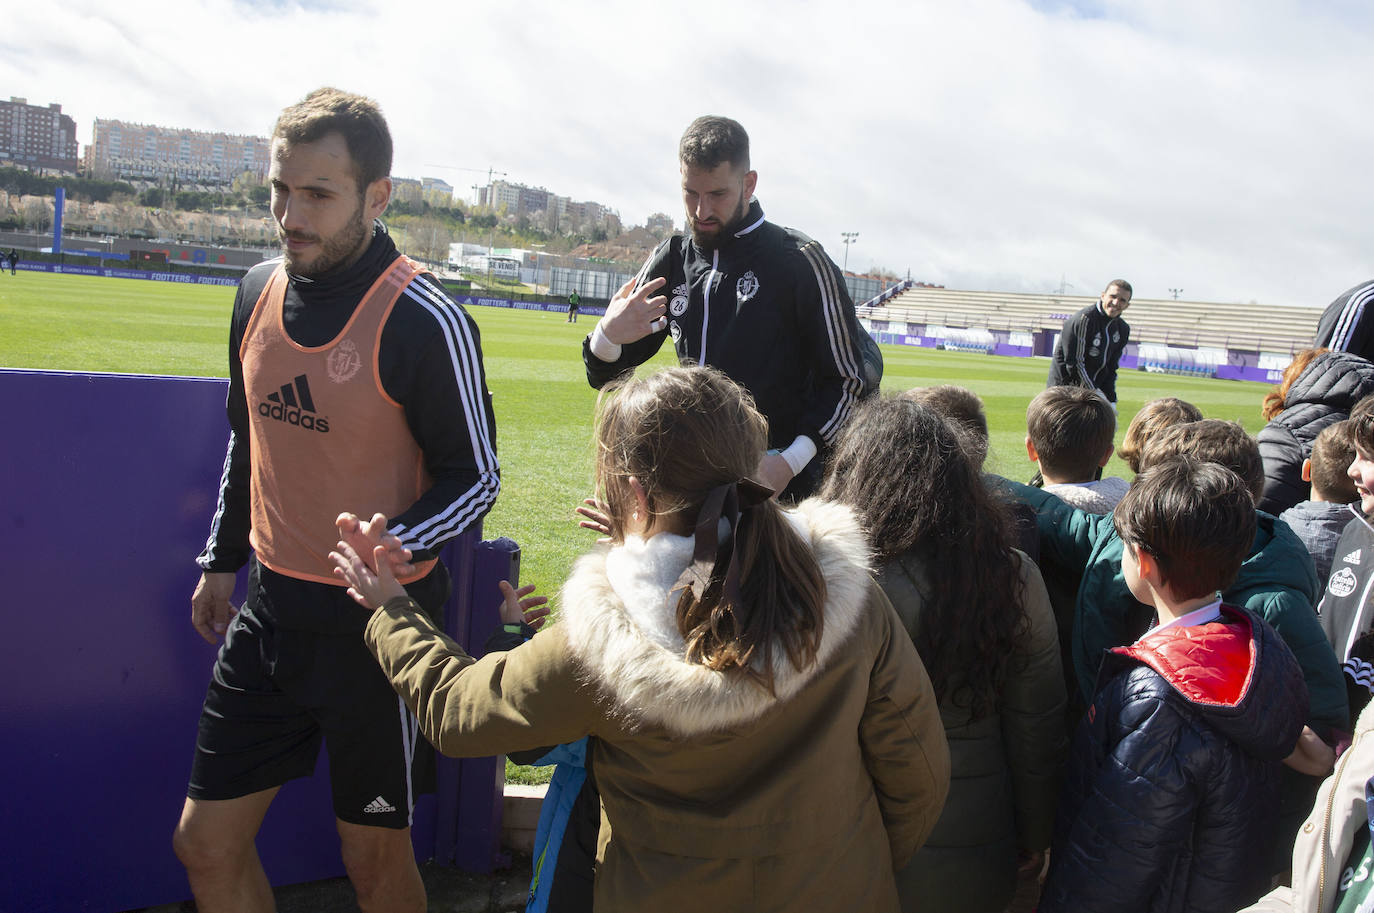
x,y
645,675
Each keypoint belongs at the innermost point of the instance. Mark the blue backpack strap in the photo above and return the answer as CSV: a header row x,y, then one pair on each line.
x,y
567,781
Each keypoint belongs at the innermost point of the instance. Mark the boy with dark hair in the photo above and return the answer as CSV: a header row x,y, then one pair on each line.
x,y
1154,417
961,406
1174,780
1276,581
1320,520
1069,434
1215,441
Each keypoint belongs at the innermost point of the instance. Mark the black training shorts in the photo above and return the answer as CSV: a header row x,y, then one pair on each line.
x,y
279,688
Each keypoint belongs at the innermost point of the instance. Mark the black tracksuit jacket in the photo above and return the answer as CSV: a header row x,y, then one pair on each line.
x,y
771,310
1089,350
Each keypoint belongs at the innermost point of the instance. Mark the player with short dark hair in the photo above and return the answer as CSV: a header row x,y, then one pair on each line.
x,y
344,356
760,302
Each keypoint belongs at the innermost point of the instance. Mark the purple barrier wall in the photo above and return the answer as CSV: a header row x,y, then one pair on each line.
x,y
1248,372
78,269
110,483
559,307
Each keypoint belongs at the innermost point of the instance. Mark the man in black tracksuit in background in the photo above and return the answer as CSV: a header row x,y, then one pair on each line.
x,y
1347,324
760,302
1090,346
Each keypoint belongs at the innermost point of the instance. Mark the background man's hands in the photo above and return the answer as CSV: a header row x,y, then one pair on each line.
x,y
774,472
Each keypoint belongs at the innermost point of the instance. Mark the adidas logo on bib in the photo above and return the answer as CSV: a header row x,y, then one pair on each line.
x,y
1353,557
294,405
377,806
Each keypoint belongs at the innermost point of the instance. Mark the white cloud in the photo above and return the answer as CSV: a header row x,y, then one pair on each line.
x,y
1216,146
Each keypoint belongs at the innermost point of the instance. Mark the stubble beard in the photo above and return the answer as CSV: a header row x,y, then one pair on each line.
x,y
337,249
714,239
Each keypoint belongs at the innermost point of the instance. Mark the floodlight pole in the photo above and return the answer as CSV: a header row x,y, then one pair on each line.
x,y
849,238
1176,292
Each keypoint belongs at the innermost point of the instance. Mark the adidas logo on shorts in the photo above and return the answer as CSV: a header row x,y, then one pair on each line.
x,y
294,405
378,806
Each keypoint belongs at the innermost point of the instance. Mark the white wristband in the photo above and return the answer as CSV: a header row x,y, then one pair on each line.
x,y
602,347
799,453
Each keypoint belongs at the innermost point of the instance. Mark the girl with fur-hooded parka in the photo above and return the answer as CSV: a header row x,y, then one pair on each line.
x,y
766,735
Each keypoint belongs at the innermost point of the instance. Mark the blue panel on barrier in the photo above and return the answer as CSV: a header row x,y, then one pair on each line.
x,y
478,819
112,481
110,487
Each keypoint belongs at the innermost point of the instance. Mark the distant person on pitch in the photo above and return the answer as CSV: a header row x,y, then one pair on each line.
x,y
1090,346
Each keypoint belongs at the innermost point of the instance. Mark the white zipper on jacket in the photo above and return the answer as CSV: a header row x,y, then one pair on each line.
x,y
1106,346
1324,838
706,304
710,280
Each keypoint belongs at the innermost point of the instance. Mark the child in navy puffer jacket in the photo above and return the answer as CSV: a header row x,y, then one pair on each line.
x,y
1173,784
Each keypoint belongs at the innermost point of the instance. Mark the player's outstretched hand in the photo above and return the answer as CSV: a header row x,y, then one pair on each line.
x,y
595,518
518,606
368,588
634,314
365,535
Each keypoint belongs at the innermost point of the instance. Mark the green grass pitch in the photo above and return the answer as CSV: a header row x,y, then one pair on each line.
x,y
544,408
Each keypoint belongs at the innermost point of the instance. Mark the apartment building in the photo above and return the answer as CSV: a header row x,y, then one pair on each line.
x,y
143,152
32,136
545,208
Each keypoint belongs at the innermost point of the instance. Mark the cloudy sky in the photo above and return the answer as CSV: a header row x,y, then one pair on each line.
x,y
1216,146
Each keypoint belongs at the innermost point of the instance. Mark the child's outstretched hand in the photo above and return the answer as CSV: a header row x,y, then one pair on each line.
x,y
368,588
362,535
595,518
518,606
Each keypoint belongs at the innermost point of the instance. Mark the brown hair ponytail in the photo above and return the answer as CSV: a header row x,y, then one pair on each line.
x,y
693,437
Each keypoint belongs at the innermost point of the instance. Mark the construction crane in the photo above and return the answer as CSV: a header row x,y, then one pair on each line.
x,y
489,172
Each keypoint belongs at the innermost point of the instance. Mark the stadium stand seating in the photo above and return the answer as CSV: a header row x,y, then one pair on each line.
x,y
1194,324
